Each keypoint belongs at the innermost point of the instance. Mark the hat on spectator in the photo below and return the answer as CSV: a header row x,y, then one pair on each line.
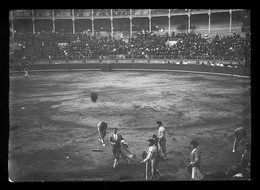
x,y
194,142
159,122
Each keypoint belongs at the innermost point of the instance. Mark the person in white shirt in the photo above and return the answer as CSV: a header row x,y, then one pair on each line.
x,y
152,157
26,73
162,138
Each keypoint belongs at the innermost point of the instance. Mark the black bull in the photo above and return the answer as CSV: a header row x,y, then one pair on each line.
x,y
94,97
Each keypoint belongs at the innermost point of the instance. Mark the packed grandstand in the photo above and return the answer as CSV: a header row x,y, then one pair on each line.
x,y
144,44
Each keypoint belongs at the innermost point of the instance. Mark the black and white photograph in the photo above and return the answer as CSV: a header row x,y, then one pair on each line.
x,y
129,95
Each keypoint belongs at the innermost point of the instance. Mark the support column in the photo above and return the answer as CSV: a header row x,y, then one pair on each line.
x,y
209,20
131,23
150,21
12,27
189,21
33,26
33,19
111,27
92,26
53,22
230,23
92,22
169,22
111,18
12,23
73,24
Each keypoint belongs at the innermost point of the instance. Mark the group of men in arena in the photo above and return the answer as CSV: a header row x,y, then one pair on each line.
x,y
157,152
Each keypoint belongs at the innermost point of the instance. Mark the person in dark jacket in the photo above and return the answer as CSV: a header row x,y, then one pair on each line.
x,y
115,140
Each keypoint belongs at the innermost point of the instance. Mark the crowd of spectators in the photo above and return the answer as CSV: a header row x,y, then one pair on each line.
x,y
62,12
42,13
140,11
143,45
139,26
104,26
159,11
82,12
121,26
101,12
120,12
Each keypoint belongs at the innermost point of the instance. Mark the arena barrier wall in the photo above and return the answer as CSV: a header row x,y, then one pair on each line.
x,y
58,67
240,71
131,65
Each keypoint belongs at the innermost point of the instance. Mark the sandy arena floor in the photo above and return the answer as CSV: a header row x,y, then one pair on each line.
x,y
53,122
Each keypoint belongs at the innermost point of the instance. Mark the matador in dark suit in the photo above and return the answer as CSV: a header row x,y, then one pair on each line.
x,y
115,140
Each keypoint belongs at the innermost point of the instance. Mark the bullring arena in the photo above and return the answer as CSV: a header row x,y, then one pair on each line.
x,y
53,120
197,95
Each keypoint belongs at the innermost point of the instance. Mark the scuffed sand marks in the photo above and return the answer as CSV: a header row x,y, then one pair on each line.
x,y
53,122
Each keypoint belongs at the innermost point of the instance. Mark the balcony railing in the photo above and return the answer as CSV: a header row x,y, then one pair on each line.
x,y
101,12
42,13
140,12
121,12
22,13
82,12
159,11
63,13
199,10
107,12
179,10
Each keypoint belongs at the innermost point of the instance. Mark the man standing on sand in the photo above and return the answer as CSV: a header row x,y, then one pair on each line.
x,y
243,169
26,72
152,157
194,166
158,152
157,144
240,137
115,140
102,127
162,139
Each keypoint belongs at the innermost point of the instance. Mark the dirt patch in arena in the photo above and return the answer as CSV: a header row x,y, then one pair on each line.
x,y
53,123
